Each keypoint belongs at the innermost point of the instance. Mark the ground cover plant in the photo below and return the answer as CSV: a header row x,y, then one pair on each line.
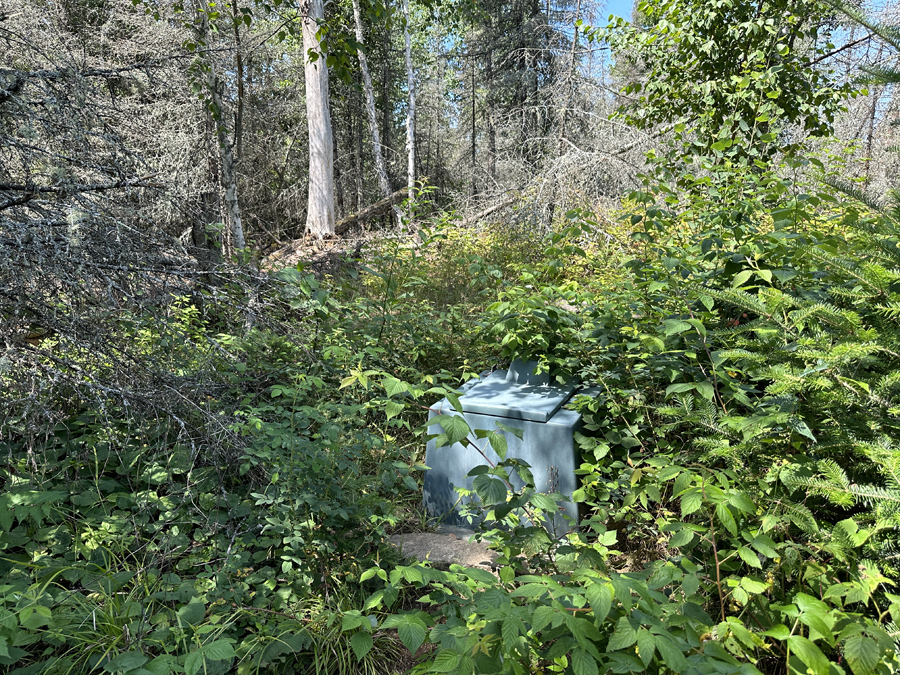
x,y
739,473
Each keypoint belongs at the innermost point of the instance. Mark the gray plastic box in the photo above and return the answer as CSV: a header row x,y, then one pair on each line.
x,y
519,399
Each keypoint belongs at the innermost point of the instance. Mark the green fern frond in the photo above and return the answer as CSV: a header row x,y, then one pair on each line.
x,y
740,355
855,193
836,494
871,495
879,75
885,385
833,472
890,310
836,263
855,295
826,313
776,300
889,251
745,328
800,516
741,299
850,353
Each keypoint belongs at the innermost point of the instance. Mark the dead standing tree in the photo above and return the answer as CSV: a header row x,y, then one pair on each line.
x,y
83,273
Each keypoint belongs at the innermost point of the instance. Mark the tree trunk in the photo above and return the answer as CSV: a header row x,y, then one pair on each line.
x,y
474,135
380,168
411,111
226,147
239,64
320,209
489,113
570,81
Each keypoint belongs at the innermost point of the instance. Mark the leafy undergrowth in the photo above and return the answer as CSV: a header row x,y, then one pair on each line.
x,y
739,476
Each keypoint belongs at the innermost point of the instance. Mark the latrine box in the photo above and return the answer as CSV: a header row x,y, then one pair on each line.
x,y
519,399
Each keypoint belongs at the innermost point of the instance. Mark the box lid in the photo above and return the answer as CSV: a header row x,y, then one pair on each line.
x,y
517,393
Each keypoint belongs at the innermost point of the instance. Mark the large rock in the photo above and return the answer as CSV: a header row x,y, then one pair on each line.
x,y
445,547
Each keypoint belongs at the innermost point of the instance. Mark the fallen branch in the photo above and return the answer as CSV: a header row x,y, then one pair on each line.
x,y
379,208
488,211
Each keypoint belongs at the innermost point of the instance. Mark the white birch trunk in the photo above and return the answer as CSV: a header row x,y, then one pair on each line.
x,y
320,209
411,111
380,167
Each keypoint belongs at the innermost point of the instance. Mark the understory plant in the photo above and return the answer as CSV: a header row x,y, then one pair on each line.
x,y
740,461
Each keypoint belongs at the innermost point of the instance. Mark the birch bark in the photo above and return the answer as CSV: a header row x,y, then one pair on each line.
x,y
380,167
411,110
320,209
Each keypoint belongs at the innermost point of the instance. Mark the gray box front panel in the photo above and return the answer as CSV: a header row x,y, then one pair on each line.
x,y
549,447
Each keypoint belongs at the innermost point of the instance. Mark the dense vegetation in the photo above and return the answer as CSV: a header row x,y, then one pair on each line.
x,y
202,461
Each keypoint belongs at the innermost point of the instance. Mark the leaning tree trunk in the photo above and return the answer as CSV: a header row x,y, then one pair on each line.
x,y
411,112
320,211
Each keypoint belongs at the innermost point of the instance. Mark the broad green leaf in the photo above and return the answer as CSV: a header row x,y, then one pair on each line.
x,y
193,662
163,665
765,545
600,596
742,502
544,502
490,490
361,643
8,620
810,654
741,278
691,501
624,635
676,326
454,401
220,650
393,408
690,584
670,654
352,619
740,631
499,444
374,600
125,661
480,576
683,537
753,586
816,623
706,390
646,645
411,630
749,557
724,516
393,386
681,388
193,612
515,431
445,662
778,631
583,663
862,654
454,426
542,617
530,591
